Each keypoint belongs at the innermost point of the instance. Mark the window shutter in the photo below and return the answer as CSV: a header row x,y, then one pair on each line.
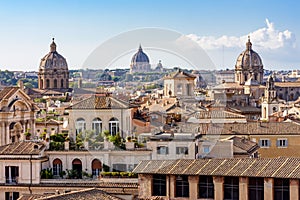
x,y
167,150
286,142
260,143
277,143
269,143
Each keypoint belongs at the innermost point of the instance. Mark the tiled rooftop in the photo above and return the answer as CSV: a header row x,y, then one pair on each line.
x,y
6,92
179,74
249,167
22,148
250,128
87,194
100,102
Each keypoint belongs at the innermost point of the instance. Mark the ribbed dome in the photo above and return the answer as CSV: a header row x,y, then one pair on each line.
x,y
140,56
53,59
248,58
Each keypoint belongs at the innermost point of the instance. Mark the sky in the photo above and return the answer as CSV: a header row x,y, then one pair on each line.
x,y
220,28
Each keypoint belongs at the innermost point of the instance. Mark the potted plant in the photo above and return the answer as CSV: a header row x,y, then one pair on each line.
x,y
27,134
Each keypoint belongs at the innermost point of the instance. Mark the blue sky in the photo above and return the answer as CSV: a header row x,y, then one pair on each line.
x,y
81,26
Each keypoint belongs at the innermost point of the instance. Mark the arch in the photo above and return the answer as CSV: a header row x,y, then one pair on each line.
x,y
47,83
57,167
80,125
55,83
77,167
96,167
15,130
114,126
97,125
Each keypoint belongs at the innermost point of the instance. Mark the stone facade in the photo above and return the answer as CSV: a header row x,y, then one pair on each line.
x,y
179,84
17,115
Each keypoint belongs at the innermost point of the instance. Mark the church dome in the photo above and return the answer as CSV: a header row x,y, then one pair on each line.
x,y
140,57
248,59
53,60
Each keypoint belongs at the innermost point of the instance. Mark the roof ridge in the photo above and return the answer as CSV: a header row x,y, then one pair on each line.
x,y
239,160
286,159
177,161
264,167
293,170
225,160
189,166
203,166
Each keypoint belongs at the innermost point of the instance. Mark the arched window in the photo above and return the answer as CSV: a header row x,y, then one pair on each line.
x,y
97,125
57,167
62,83
55,83
47,83
41,83
80,125
96,167
113,126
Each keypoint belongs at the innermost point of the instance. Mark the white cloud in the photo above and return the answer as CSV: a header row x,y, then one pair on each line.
x,y
266,38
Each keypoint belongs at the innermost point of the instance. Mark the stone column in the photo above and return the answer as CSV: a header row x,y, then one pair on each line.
x,y
172,186
2,128
168,186
193,187
219,189
294,189
243,188
7,135
268,188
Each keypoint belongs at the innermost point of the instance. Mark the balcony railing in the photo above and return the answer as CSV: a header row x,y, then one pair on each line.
x,y
11,180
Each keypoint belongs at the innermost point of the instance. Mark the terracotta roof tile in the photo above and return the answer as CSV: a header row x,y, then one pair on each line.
x,y
100,102
248,167
22,148
87,194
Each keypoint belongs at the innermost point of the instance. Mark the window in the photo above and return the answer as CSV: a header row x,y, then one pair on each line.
x,y
179,89
57,167
55,83
206,149
159,185
281,189
256,188
264,143
11,174
47,83
80,125
182,186
62,83
231,188
114,126
282,142
119,167
206,187
182,150
11,195
163,150
97,126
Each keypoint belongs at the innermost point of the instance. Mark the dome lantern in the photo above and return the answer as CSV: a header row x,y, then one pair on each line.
x,y
53,46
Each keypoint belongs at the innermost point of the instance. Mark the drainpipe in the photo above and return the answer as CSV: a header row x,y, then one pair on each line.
x,y
30,160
